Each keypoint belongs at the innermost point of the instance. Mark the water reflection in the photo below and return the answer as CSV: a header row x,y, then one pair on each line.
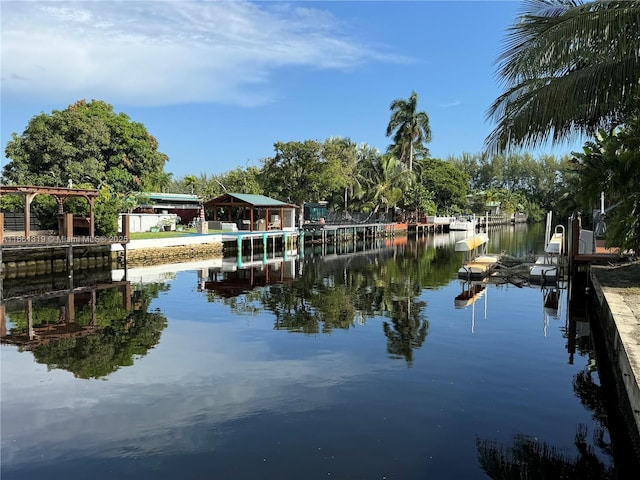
x,y
297,368
529,457
90,328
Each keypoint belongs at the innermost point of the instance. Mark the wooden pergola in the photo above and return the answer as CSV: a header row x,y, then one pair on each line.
x,y
29,192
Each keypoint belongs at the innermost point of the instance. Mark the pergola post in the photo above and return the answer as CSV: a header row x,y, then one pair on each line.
x,y
28,198
92,220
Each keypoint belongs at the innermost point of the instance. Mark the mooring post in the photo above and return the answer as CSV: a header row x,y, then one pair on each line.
x,y
70,257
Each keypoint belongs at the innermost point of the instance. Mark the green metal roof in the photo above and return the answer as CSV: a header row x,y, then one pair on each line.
x,y
184,197
257,200
251,199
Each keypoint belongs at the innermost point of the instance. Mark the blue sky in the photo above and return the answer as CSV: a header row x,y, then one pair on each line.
x,y
218,83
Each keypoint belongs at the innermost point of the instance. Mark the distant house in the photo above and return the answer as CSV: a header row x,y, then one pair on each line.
x,y
493,208
185,206
251,212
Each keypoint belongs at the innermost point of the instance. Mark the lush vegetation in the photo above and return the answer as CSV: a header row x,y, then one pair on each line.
x,y
87,145
569,68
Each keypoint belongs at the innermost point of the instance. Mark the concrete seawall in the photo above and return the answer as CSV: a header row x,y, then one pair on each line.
x,y
167,250
617,293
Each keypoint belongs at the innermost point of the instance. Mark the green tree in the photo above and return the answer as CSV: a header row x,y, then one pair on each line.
x,y
385,180
569,68
241,180
449,184
343,152
86,143
299,172
419,198
410,129
610,164
89,145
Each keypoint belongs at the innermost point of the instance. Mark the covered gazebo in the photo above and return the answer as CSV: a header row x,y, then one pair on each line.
x,y
253,212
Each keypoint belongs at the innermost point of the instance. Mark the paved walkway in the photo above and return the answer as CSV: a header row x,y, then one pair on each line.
x,y
619,287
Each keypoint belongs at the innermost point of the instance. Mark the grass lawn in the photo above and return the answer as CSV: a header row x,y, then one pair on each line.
x,y
171,234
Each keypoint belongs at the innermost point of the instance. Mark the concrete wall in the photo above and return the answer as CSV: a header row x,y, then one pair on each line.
x,y
142,222
620,329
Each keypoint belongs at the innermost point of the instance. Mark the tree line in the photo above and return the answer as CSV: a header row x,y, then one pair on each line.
x,y
568,68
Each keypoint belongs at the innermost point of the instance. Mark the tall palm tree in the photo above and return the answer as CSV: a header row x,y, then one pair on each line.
x,y
569,68
410,129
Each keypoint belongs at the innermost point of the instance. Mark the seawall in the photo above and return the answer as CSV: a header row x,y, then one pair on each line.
x,y
617,294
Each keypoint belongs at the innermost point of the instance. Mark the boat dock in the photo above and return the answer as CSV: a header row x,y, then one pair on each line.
x,y
334,233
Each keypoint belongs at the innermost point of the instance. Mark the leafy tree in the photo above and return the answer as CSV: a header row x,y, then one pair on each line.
x,y
300,172
86,143
448,184
419,198
410,130
342,151
569,68
242,180
366,156
159,181
89,145
610,164
190,182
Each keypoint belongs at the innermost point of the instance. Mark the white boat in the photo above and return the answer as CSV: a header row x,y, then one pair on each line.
x,y
466,223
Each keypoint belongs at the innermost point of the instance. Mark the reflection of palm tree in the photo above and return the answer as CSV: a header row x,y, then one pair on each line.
x,y
406,332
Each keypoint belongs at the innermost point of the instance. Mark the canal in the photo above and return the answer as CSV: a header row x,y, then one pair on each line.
x,y
370,362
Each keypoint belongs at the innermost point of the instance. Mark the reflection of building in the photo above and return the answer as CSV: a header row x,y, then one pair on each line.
x,y
230,280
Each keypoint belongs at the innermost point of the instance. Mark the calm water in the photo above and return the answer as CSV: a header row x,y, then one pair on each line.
x,y
341,366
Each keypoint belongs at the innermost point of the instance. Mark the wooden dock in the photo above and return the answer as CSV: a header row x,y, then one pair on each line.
x,y
335,233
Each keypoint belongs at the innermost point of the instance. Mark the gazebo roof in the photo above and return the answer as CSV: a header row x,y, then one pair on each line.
x,y
246,200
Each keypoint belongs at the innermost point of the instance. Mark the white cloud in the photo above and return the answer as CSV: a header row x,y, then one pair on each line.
x,y
167,52
453,103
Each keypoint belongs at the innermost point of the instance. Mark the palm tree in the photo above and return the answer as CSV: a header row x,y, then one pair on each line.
x,y
411,129
190,181
385,180
569,68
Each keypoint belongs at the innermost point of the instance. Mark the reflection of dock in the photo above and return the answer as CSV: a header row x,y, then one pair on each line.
x,y
471,292
231,280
